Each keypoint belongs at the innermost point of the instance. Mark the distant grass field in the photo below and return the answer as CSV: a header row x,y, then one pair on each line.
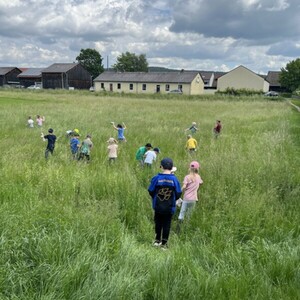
x,y
71,230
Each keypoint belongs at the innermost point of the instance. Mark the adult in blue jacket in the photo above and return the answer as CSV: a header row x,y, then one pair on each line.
x,y
165,190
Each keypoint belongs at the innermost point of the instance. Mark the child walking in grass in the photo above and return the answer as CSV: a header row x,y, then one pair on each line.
x,y
191,184
74,145
30,122
150,157
112,150
40,120
191,144
164,190
217,128
120,128
85,148
192,128
141,152
51,138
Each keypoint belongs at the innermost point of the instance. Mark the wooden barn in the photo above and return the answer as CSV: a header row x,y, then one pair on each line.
x,y
9,76
31,76
66,76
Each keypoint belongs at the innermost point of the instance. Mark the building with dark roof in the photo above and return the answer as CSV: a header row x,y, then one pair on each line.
x,y
273,79
66,76
31,76
189,82
9,76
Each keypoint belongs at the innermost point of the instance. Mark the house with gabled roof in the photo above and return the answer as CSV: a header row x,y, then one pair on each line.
x,y
242,78
189,82
9,75
66,76
31,76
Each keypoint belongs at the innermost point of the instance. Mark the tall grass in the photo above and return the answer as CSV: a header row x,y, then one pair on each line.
x,y
72,230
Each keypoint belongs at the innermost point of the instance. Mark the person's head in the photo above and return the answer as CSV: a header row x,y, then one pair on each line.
x,y
50,130
194,166
88,136
111,141
119,126
29,117
38,116
156,150
166,163
218,121
189,136
76,135
148,146
194,123
76,131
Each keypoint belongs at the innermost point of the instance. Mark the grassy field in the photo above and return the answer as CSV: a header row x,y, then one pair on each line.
x,y
72,230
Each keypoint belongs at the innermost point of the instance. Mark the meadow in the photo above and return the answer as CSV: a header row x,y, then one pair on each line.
x,y
76,230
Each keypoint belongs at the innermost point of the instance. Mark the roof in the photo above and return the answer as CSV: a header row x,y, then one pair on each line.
x,y
159,77
241,66
60,68
273,78
31,72
5,70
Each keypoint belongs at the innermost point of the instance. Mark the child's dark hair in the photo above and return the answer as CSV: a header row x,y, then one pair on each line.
x,y
119,126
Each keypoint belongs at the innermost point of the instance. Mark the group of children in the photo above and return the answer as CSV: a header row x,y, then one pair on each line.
x,y
39,121
164,189
166,192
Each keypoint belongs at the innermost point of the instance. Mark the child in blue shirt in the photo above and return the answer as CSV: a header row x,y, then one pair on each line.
x,y
165,190
120,128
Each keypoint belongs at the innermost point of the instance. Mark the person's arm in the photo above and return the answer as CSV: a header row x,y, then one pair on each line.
x,y
124,126
114,126
178,190
43,137
152,187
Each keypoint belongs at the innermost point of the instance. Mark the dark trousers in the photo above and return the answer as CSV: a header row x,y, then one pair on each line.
x,y
83,155
162,227
48,150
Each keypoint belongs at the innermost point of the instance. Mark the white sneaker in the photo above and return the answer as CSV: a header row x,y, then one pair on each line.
x,y
157,244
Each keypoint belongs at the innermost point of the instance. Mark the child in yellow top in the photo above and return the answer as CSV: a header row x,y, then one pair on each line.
x,y
191,144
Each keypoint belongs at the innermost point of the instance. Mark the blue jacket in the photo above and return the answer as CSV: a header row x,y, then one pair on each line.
x,y
165,190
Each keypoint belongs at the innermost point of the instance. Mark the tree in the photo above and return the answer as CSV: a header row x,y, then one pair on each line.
x,y
92,61
290,75
130,62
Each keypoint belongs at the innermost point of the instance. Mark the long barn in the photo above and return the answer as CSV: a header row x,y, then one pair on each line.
x,y
66,76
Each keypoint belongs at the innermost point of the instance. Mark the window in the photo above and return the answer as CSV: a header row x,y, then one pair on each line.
x,y
180,87
102,85
144,87
131,86
167,87
119,86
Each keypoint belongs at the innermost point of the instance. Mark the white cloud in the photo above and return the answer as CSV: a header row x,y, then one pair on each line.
x,y
190,34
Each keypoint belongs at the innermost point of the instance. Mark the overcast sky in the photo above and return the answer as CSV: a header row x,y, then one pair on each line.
x,y
211,35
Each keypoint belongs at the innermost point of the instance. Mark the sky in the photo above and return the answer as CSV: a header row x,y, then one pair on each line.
x,y
209,35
